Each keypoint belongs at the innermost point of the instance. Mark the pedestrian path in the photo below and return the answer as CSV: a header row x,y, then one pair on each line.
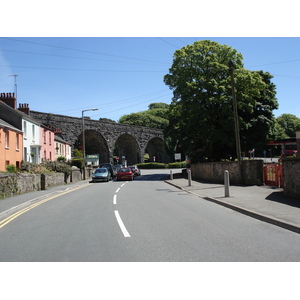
x,y
261,202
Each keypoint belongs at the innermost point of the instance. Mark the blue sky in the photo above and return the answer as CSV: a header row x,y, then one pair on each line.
x,y
113,56
121,75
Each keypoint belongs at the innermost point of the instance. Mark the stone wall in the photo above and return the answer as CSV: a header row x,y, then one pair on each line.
x,y
75,176
15,184
252,172
291,177
52,179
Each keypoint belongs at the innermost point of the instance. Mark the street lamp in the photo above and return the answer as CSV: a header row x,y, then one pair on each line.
x,y
83,140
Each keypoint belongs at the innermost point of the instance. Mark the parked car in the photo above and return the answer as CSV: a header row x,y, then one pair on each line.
x,y
101,174
135,170
110,168
117,167
124,174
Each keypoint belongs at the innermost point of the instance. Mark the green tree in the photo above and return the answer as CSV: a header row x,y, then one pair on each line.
x,y
258,124
155,117
289,124
201,114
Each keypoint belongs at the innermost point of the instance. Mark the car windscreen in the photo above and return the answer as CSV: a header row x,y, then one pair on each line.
x,y
102,170
122,170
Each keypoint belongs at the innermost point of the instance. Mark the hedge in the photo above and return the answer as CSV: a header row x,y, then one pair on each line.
x,y
153,165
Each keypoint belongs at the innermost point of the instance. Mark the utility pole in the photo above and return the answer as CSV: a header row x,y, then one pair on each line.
x,y
236,120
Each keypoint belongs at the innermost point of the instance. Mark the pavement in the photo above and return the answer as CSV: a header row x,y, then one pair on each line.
x,y
267,204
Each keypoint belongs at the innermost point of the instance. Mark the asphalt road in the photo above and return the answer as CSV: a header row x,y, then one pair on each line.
x,y
140,221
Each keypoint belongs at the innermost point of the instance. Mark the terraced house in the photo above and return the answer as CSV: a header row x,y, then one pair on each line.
x,y
11,145
35,141
23,122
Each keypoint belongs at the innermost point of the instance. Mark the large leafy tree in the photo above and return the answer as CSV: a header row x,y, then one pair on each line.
x,y
154,117
288,125
201,117
258,123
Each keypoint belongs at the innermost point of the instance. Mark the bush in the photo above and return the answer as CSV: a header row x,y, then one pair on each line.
x,y
56,166
46,166
78,162
152,165
11,169
182,164
61,159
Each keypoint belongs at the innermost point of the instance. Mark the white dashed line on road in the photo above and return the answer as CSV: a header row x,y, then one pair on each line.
x,y
121,224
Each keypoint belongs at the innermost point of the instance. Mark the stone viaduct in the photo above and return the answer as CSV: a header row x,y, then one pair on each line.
x,y
108,139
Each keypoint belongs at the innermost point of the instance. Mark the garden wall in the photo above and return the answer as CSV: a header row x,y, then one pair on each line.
x,y
252,172
14,184
291,177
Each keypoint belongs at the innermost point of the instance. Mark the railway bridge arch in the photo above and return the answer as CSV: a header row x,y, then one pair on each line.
x,y
109,139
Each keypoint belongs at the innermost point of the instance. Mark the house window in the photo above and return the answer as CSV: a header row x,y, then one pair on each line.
x,y
17,142
25,129
45,155
33,133
44,136
49,138
6,139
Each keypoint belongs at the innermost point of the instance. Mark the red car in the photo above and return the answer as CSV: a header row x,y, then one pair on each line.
x,y
124,174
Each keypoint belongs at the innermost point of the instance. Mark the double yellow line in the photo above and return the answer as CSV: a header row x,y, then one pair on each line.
x,y
24,210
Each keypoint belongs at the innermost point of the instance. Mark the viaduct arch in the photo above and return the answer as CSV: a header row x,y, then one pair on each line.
x,y
108,138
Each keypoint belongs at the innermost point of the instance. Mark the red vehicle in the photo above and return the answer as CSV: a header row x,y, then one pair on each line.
x,y
124,174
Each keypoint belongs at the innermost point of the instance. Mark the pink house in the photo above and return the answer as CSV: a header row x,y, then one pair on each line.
x,y
47,143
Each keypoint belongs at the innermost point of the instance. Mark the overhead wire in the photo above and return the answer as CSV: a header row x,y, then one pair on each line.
x,y
147,101
84,51
77,57
115,102
82,70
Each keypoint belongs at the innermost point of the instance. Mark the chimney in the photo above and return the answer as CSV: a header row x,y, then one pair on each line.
x,y
9,99
24,107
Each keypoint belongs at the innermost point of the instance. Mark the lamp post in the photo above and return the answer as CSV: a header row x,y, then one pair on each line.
x,y
83,140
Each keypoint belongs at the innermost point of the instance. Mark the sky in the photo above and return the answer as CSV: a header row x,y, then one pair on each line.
x,y
122,75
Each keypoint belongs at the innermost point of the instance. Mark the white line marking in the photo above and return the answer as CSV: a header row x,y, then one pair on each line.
x,y
115,199
123,184
117,190
121,224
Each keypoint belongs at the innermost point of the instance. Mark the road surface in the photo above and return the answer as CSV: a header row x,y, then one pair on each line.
x,y
145,220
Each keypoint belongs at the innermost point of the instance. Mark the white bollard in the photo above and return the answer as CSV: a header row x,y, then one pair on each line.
x,y
189,177
226,183
171,175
